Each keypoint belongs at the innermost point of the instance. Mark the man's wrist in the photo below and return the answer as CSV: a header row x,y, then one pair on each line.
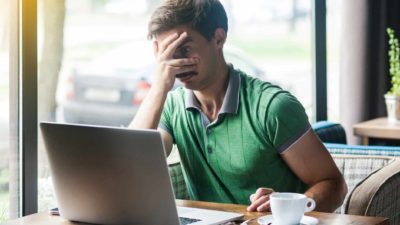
x,y
158,91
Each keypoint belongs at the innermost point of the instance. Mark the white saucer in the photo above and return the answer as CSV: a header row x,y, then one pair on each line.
x,y
269,219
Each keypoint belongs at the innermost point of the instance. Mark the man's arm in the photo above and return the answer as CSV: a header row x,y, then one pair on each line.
x,y
148,116
312,163
149,113
167,140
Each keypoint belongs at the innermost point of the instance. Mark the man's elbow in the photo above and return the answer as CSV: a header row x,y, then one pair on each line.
x,y
340,190
343,189
329,194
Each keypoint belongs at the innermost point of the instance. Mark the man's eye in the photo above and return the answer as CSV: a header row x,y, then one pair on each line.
x,y
185,50
182,52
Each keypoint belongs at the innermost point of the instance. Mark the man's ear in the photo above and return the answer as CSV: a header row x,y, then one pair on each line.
x,y
220,37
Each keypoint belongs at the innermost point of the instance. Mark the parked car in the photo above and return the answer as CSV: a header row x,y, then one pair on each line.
x,y
109,89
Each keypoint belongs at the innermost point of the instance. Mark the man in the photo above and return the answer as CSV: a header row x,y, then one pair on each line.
x,y
239,138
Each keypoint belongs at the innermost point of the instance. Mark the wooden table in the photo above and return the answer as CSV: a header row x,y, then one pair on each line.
x,y
324,218
377,128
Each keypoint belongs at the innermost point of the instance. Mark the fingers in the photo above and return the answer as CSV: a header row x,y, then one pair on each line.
x,y
264,207
166,49
171,48
167,41
260,192
169,45
176,66
167,66
260,203
260,200
252,197
183,62
178,70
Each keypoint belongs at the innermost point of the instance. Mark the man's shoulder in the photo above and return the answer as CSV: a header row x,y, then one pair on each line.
x,y
258,88
175,100
177,94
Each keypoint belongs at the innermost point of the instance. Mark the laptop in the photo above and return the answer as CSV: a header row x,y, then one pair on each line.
x,y
107,175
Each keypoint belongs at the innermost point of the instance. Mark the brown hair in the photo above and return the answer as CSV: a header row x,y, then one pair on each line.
x,y
204,16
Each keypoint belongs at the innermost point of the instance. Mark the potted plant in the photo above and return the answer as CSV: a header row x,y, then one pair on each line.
x,y
392,97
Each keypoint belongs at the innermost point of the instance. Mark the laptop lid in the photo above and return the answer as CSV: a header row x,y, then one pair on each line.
x,y
108,175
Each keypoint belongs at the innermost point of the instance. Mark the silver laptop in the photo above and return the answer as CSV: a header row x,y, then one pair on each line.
x,y
107,175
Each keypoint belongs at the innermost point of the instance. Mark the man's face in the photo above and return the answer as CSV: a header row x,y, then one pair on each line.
x,y
194,46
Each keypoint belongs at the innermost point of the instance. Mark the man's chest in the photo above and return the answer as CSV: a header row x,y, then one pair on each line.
x,y
231,144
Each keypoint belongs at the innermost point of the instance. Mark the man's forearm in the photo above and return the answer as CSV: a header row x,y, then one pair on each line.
x,y
168,66
328,194
149,113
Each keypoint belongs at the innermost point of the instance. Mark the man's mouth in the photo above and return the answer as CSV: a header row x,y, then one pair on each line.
x,y
186,74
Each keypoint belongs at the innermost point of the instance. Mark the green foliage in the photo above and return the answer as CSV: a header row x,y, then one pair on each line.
x,y
394,62
4,195
3,212
4,175
4,206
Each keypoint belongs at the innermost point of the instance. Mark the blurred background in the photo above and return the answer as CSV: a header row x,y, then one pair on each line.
x,y
95,65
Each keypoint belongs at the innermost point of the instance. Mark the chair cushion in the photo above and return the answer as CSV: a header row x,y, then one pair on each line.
x,y
330,132
334,148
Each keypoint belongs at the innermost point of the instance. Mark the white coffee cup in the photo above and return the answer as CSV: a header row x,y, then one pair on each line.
x,y
289,208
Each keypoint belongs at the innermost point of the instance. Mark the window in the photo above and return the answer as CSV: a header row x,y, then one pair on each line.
x,y
9,156
94,67
276,35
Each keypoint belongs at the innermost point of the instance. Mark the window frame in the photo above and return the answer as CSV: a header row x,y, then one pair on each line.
x,y
320,60
27,113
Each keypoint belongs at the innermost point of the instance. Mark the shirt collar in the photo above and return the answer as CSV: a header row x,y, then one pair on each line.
x,y
230,103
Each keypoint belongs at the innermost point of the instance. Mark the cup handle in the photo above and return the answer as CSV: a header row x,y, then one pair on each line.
x,y
312,206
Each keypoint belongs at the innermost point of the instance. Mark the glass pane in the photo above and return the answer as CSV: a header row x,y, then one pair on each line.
x,y
276,36
95,63
50,54
94,66
334,28
8,140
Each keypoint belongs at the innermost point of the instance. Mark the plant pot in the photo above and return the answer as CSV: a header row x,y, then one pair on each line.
x,y
393,107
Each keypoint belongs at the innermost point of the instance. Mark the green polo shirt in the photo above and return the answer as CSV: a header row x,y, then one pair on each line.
x,y
226,160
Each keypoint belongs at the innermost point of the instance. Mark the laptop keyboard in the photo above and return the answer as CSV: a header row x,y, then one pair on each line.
x,y
184,220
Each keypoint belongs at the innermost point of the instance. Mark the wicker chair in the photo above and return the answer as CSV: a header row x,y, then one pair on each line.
x,y
378,194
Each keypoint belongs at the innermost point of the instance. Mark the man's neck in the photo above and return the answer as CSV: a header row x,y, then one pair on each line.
x,y
212,97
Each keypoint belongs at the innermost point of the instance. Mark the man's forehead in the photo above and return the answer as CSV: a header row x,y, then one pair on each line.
x,y
178,30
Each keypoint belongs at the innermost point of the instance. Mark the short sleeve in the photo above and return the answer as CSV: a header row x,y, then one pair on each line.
x,y
166,115
284,120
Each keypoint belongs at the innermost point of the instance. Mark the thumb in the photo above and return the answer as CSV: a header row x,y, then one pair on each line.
x,y
251,197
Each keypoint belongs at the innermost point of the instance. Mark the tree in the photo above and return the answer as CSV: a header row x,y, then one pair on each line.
x,y
49,69
52,55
